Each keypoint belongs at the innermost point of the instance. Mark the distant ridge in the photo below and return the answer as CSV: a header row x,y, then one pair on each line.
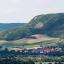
x,y
6,26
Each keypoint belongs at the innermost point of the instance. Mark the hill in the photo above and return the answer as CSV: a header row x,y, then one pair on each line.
x,y
49,24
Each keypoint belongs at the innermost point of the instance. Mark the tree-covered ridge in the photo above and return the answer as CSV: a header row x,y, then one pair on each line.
x,y
48,24
53,24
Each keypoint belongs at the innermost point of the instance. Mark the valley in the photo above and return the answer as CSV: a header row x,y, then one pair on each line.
x,y
41,40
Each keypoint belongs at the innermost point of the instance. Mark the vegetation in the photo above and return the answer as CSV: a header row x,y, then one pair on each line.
x,y
14,61
17,57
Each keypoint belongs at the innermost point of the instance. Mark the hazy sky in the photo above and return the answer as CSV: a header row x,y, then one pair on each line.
x,y
24,10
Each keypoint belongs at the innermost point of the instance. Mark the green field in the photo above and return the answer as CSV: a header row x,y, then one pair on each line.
x,y
53,42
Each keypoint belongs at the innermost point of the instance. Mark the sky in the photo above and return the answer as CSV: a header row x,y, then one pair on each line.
x,y
21,11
